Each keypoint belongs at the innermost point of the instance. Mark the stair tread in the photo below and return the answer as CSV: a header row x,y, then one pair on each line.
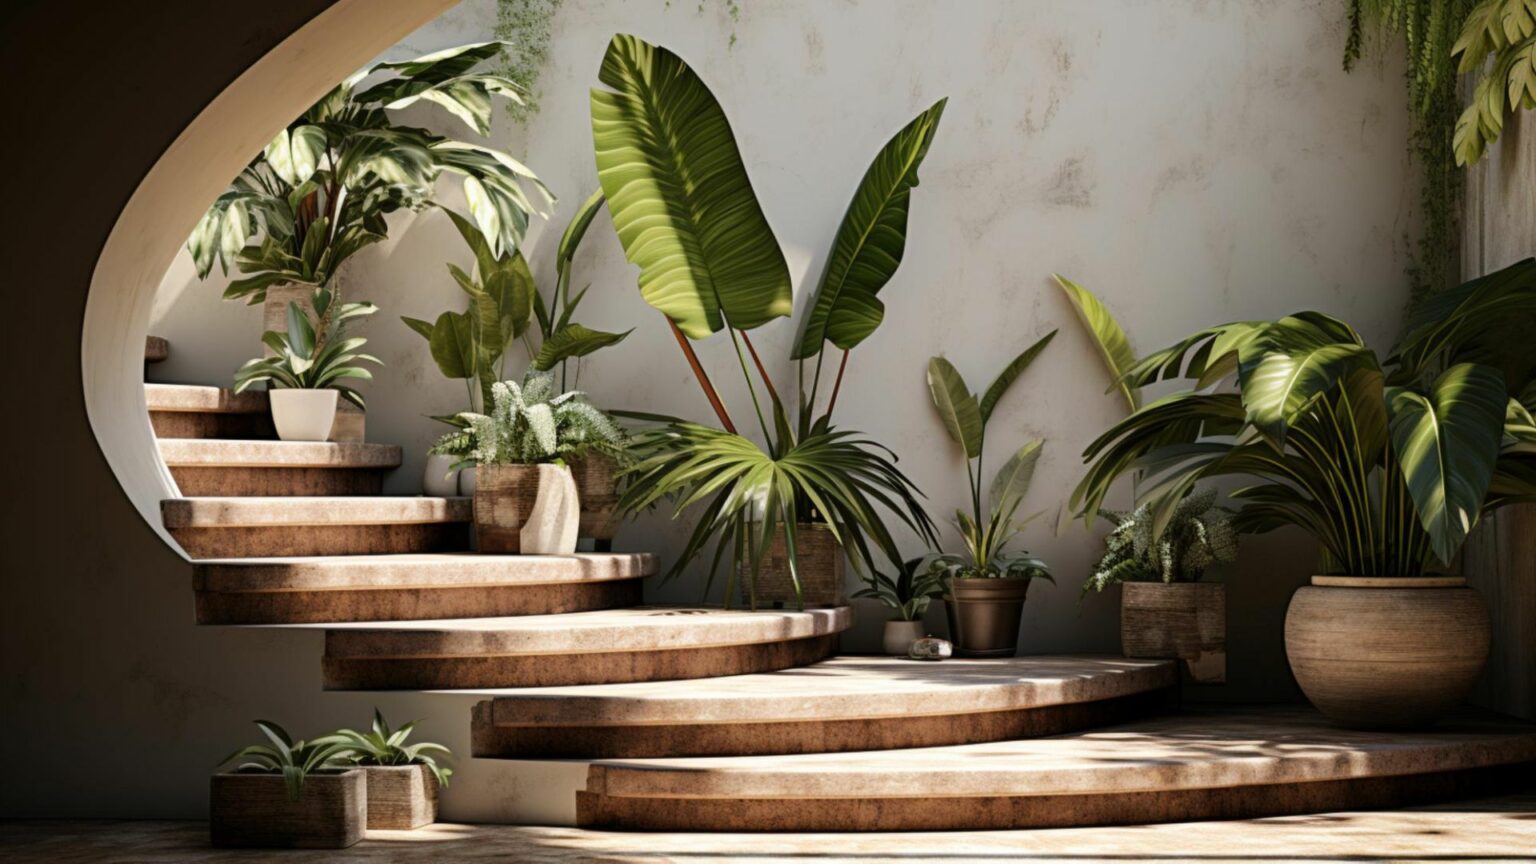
x,y
415,571
203,398
1203,748
839,688
230,512
615,630
208,452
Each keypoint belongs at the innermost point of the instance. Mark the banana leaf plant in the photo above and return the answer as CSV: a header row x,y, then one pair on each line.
x,y
319,192
296,761
993,522
1388,463
685,212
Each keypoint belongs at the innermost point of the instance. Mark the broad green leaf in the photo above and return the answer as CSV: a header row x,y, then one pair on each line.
x,y
1295,362
453,345
1446,441
1114,348
512,287
681,200
573,340
870,242
301,335
1010,373
307,151
577,229
1012,480
422,327
956,405
279,154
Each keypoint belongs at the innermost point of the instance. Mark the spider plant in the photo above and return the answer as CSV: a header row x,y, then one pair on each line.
x,y
685,213
295,760
384,746
312,357
910,591
992,523
1388,463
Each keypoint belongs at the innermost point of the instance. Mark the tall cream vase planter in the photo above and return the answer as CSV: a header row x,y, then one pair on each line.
x,y
1380,652
303,415
526,509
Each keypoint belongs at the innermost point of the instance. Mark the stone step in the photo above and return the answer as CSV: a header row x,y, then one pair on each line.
x,y
643,644
408,587
156,349
845,703
267,527
1212,763
196,411
206,468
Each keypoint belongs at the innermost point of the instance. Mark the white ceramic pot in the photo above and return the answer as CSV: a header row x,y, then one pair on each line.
x,y
467,478
303,415
555,520
899,636
438,478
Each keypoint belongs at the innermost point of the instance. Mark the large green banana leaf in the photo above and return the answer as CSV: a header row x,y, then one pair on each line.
x,y
681,201
1446,441
1278,385
1108,337
1011,373
956,405
869,243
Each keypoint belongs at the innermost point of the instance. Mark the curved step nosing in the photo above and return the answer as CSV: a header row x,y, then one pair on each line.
x,y
363,573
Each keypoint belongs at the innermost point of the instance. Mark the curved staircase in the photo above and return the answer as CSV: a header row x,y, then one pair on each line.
x,y
707,719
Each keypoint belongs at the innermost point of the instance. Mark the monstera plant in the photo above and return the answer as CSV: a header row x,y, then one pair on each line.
x,y
1388,463
685,212
320,190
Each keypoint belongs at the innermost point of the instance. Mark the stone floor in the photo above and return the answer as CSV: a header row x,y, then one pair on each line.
x,y
1492,829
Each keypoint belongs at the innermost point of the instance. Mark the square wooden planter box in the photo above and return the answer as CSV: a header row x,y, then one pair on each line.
x,y
254,810
1184,621
401,796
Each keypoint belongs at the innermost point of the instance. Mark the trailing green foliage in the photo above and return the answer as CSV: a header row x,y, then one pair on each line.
x,y
320,190
1389,464
296,761
1499,39
530,423
910,592
311,355
992,524
523,28
1199,534
384,746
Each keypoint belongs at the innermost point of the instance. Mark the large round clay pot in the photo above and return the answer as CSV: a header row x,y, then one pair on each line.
x,y
984,616
1380,653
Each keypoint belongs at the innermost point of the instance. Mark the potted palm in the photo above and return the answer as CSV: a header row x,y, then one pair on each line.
x,y
1387,463
785,510
289,793
985,586
402,779
907,595
525,497
310,363
1165,608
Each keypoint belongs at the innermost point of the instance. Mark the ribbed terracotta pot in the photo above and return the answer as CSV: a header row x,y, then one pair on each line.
x,y
526,510
597,485
1384,653
819,559
1177,621
984,616
253,810
401,797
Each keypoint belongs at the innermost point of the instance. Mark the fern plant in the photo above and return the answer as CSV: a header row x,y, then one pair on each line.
x,y
384,746
531,423
1199,535
295,760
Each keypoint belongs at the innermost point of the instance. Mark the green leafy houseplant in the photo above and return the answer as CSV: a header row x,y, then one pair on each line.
x,y
294,760
909,592
530,423
382,745
1498,38
685,213
311,355
1199,534
1389,464
320,190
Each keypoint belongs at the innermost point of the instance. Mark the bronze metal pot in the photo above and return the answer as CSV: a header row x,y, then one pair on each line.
x,y
984,616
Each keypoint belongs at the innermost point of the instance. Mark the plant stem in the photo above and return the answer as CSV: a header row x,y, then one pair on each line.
x,y
747,374
762,372
698,372
837,385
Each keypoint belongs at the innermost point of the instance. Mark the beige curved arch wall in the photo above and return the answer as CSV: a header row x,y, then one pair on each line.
x,y
172,197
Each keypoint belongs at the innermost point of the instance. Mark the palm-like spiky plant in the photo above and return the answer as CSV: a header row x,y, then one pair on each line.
x,y
295,760
531,423
384,746
1198,535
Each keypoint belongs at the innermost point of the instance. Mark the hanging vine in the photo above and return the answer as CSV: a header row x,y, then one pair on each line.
x,y
526,25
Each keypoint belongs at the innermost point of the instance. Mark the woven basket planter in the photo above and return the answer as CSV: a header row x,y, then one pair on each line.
x,y
525,510
1184,621
597,485
820,562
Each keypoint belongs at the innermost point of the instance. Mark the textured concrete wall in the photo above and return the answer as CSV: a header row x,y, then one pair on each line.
x,y
1192,162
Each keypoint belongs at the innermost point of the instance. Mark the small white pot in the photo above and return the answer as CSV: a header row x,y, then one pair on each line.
x,y
467,478
556,515
438,479
303,415
899,636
